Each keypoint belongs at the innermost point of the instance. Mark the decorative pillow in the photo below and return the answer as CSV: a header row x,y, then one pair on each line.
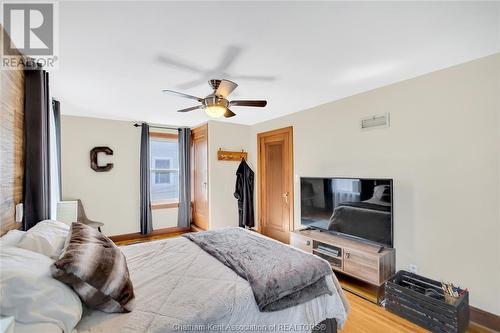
x,y
96,269
46,237
12,238
29,293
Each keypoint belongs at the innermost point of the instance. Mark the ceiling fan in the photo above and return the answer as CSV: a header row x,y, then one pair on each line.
x,y
223,68
216,104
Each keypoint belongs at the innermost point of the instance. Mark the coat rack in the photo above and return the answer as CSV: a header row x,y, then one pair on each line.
x,y
223,155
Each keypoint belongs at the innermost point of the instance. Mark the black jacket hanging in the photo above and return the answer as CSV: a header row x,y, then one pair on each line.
x,y
244,193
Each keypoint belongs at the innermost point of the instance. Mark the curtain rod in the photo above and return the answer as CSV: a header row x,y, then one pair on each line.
x,y
158,126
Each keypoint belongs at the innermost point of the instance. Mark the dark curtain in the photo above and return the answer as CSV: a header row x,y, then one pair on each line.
x,y
146,218
184,213
56,109
36,151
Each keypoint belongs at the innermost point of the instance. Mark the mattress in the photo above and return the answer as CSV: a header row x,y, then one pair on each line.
x,y
180,287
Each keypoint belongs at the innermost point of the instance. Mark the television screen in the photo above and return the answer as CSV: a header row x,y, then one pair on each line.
x,y
355,207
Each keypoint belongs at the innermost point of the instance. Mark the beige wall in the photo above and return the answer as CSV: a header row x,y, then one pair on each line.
x,y
164,218
223,207
442,150
109,197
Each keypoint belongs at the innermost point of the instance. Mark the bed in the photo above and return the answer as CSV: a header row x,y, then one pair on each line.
x,y
189,290
180,287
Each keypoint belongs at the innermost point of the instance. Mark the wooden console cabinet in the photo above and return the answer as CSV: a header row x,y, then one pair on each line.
x,y
356,259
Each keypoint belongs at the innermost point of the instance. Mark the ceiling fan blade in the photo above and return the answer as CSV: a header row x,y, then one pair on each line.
x,y
225,88
229,113
179,64
259,104
182,95
232,52
192,84
191,109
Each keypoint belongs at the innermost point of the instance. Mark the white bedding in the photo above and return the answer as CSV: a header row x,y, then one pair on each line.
x,y
30,294
179,287
38,328
46,237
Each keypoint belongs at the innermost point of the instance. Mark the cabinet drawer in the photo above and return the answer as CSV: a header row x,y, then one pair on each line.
x,y
301,242
366,273
361,265
360,258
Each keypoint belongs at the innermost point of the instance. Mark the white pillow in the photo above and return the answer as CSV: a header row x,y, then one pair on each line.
x,y
46,237
11,238
30,294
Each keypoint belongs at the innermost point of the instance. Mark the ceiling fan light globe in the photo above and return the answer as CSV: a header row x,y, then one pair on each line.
x,y
215,111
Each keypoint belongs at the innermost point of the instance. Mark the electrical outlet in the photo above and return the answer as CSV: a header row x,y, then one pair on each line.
x,y
19,213
413,268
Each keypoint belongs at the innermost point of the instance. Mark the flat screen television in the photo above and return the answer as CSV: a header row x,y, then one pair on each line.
x,y
360,208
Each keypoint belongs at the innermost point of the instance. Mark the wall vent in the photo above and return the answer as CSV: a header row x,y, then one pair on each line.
x,y
375,121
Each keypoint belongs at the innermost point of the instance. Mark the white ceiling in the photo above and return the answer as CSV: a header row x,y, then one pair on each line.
x,y
316,52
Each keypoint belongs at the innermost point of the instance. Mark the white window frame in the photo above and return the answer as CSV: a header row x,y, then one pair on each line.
x,y
153,170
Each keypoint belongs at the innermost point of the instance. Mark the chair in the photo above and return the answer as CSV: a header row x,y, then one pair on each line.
x,y
69,211
82,217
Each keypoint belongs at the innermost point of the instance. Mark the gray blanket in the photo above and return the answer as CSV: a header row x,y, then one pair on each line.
x,y
279,275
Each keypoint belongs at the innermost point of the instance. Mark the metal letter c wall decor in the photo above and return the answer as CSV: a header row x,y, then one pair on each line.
x,y
93,159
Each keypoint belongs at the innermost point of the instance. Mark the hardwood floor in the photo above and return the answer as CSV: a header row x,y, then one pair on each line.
x,y
364,316
149,238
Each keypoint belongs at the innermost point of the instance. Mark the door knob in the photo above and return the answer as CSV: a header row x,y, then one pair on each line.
x,y
285,195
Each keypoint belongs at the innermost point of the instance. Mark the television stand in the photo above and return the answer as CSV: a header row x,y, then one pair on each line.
x,y
371,264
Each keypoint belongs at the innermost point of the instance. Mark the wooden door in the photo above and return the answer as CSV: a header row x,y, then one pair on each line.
x,y
275,154
199,176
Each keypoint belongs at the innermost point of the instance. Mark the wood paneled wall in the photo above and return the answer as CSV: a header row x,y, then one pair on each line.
x,y
11,143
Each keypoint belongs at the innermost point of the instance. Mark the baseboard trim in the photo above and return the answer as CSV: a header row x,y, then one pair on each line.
x,y
485,319
157,232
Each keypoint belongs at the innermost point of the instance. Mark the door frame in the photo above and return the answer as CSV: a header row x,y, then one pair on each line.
x,y
260,183
201,130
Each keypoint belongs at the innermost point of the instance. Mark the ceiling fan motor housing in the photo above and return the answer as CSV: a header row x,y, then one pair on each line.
x,y
214,83
213,100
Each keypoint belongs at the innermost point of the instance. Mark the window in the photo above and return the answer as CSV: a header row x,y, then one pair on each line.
x,y
161,169
164,161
